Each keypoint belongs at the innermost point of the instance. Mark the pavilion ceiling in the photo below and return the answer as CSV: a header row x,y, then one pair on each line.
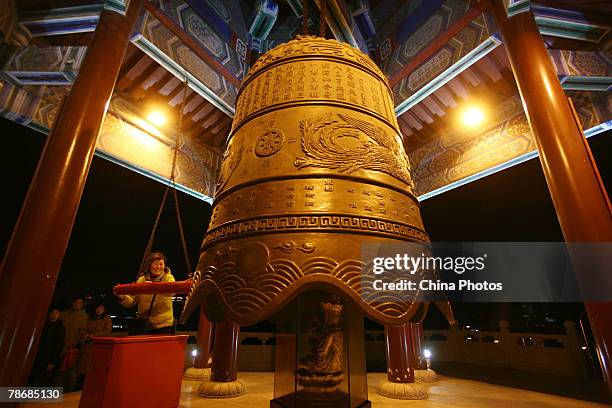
x,y
149,86
488,81
440,56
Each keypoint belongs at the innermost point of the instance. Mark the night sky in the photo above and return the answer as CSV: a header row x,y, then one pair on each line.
x,y
119,206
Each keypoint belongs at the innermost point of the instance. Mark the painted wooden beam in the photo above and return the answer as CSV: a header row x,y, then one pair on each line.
x,y
124,139
447,75
83,19
337,23
603,127
60,21
191,43
567,22
68,20
582,70
57,65
181,69
561,23
437,43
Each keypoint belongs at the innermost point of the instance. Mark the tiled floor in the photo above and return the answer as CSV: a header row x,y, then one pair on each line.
x,y
449,392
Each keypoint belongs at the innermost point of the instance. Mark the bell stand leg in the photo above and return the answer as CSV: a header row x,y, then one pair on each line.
x,y
421,370
224,382
201,366
400,382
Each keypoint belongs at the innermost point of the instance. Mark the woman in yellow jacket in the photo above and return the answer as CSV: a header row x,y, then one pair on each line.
x,y
156,309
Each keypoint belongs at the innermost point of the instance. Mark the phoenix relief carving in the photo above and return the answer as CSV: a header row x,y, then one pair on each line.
x,y
348,144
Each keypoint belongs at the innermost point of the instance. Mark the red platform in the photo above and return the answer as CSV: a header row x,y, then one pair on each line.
x,y
135,371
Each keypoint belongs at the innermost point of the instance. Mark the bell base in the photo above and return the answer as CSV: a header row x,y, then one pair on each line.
x,y
408,391
215,389
428,375
319,382
196,374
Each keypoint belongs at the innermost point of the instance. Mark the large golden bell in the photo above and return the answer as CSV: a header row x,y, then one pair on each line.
x,y
314,168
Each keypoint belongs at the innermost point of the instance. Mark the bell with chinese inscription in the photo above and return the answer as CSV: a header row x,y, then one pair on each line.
x,y
314,169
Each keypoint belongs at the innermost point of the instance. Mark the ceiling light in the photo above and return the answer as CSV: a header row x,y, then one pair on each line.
x,y
473,116
156,118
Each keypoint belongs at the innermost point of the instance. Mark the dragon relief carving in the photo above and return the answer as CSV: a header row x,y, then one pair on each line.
x,y
347,144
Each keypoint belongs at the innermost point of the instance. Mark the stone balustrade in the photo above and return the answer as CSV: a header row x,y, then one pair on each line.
x,y
560,354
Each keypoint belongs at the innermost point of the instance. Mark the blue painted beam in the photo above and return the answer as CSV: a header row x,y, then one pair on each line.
x,y
588,83
60,21
561,23
265,14
45,66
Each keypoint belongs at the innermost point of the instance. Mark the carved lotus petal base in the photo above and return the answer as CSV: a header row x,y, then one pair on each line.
x,y
425,375
213,389
395,390
196,374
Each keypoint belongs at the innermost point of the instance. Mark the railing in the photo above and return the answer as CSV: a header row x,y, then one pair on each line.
x,y
560,354
256,351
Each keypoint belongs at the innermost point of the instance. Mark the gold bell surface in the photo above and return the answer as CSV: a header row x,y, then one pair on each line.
x,y
314,169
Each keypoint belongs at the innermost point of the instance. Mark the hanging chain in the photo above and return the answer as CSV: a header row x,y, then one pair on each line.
x,y
305,17
172,183
143,262
323,22
179,219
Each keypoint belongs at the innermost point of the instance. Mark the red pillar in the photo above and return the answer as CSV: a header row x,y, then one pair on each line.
x,y
205,331
416,331
35,252
400,367
580,200
225,352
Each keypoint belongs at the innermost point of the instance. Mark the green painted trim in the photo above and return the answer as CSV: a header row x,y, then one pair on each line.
x,y
119,6
39,128
517,7
570,30
559,27
174,68
458,67
585,83
296,6
71,76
